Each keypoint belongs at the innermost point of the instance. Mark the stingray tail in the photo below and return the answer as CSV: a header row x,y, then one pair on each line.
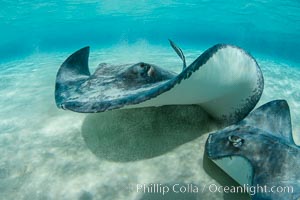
x,y
179,53
74,69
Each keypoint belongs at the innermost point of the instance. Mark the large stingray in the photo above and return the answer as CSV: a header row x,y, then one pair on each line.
x,y
259,152
225,80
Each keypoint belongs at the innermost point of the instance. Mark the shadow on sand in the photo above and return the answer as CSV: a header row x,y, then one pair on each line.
x,y
223,179
137,134
142,133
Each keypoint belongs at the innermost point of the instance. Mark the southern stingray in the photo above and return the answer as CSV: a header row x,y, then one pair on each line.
x,y
259,151
224,80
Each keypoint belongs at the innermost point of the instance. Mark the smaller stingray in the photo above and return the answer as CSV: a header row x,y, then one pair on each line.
x,y
225,80
260,151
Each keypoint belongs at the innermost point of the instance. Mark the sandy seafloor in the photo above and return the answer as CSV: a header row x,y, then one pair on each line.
x,y
48,153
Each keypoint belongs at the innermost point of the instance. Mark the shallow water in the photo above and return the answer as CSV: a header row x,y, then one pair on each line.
x,y
48,153
54,154
270,27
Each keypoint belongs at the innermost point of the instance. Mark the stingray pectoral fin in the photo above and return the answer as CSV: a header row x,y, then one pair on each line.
x,y
179,52
279,119
76,64
225,80
74,70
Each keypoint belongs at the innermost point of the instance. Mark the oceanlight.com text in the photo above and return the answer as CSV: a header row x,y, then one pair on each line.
x,y
213,188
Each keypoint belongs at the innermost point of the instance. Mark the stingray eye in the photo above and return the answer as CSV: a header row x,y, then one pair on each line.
x,y
142,64
235,140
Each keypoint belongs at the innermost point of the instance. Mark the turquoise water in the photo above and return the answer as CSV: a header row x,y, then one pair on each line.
x,y
47,153
269,27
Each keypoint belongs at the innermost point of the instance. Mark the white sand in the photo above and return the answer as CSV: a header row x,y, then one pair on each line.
x,y
47,153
